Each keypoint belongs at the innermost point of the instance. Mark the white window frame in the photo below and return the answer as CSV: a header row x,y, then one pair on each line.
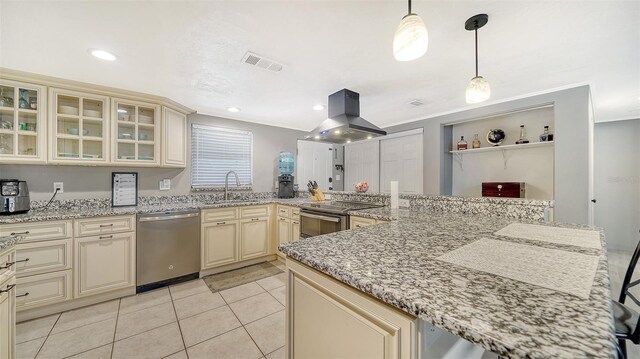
x,y
232,184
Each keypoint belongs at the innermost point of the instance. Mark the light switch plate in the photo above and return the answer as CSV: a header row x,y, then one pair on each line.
x,y
165,184
403,203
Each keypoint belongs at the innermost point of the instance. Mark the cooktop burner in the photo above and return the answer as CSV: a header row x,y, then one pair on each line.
x,y
339,207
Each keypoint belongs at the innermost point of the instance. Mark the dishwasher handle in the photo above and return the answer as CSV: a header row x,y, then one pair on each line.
x,y
168,217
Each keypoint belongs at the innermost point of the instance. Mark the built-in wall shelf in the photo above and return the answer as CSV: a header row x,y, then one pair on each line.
x,y
503,148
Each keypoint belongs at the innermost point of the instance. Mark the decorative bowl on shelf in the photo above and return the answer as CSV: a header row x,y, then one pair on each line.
x,y
142,136
496,136
125,136
361,187
73,131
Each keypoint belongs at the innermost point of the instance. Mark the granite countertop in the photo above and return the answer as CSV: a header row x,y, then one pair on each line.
x,y
9,241
36,215
395,262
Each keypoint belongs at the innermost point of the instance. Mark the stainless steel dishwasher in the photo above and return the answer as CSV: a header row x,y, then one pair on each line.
x,y
168,248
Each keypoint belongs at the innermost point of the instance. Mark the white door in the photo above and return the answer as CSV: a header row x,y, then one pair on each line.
x,y
314,163
362,164
401,160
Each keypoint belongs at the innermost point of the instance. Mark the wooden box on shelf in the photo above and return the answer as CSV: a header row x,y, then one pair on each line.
x,y
503,189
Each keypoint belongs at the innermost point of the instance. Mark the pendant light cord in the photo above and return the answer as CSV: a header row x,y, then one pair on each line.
x,y
409,7
476,49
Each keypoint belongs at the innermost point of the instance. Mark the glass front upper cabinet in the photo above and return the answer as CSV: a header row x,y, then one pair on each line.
x,y
80,126
22,122
135,132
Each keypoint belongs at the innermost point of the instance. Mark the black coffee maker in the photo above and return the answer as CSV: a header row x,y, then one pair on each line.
x,y
285,186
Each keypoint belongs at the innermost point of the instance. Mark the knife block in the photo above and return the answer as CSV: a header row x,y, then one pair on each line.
x,y
317,195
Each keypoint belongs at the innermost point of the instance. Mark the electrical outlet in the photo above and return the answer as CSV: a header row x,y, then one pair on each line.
x,y
165,184
58,186
403,203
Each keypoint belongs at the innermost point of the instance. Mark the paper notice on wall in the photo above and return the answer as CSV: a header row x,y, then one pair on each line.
x,y
125,189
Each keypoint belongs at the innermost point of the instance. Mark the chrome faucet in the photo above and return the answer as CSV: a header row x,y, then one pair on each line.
x,y
226,183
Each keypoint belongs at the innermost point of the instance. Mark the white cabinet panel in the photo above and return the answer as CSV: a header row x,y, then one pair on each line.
x,y
174,136
362,164
104,263
43,289
219,244
254,237
401,160
38,231
7,320
284,230
43,257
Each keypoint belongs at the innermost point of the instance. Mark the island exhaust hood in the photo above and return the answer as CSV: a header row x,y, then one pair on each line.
x,y
344,123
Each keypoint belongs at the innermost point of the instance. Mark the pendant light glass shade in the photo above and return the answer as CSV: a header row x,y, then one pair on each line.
x,y
411,39
478,90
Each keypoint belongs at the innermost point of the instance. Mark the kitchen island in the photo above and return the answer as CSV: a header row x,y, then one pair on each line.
x,y
394,268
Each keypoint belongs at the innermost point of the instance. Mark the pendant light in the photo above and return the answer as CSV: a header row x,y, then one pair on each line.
x,y
478,89
411,39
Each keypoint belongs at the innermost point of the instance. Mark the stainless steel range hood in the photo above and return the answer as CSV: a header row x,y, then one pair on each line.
x,y
344,123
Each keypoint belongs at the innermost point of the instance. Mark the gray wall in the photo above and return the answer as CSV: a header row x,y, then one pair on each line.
x,y
95,182
572,148
617,182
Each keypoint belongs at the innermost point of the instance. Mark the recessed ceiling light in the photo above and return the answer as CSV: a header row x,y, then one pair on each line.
x,y
317,137
233,109
348,141
122,111
369,137
103,55
318,107
337,132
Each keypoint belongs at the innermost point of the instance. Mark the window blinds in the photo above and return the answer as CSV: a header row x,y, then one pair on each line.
x,y
216,151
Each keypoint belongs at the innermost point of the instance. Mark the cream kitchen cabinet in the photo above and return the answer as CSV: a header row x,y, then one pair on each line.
x,y
44,289
219,243
358,222
79,127
254,237
135,132
174,138
295,229
104,263
7,318
328,319
287,225
7,304
23,122
233,235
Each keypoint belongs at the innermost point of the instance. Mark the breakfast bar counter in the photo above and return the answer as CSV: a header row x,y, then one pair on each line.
x,y
406,265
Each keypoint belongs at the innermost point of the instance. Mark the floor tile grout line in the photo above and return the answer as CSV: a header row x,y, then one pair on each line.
x,y
242,325
274,351
47,336
208,310
80,326
253,321
115,330
175,312
200,342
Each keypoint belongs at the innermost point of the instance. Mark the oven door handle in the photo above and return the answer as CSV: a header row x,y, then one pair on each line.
x,y
317,216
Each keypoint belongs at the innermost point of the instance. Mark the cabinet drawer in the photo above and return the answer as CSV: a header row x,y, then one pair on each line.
x,y
102,225
219,215
295,211
357,222
43,289
6,258
284,211
254,212
38,231
43,257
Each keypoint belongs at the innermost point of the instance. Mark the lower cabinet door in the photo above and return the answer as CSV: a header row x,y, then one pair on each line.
x,y
43,289
104,263
284,230
295,230
254,237
7,320
219,244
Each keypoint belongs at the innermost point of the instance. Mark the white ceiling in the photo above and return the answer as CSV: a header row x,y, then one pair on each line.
x,y
191,52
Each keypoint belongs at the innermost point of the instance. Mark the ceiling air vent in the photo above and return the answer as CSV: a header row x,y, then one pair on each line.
x,y
416,103
251,58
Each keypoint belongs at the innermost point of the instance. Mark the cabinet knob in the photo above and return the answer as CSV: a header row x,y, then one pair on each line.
x,y
9,287
221,222
22,295
14,233
593,200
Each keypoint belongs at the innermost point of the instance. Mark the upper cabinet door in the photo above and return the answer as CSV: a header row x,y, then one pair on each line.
x,y
79,130
135,132
22,122
174,138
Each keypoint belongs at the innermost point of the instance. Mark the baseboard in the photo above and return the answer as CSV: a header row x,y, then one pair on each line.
x,y
228,267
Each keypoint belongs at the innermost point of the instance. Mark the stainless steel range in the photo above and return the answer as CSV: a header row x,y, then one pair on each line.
x,y
328,217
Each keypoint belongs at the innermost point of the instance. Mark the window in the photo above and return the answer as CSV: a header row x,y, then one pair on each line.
x,y
216,151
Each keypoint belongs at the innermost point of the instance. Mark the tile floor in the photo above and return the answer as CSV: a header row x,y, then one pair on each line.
x,y
183,321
